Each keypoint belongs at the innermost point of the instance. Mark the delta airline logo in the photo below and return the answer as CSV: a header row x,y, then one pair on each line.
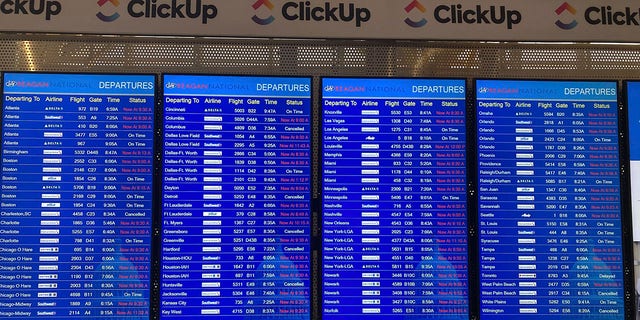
x,y
108,18
415,5
263,3
560,10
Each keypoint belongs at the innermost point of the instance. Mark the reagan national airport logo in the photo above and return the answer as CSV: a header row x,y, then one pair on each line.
x,y
268,5
415,5
560,10
108,18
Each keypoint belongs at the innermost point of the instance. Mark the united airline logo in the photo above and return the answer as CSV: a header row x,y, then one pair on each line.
x,y
108,18
268,5
415,5
560,10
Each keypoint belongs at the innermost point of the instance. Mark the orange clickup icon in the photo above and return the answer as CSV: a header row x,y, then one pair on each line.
x,y
560,10
108,18
415,5
263,21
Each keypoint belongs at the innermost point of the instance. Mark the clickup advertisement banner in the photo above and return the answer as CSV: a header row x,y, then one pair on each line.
x,y
543,20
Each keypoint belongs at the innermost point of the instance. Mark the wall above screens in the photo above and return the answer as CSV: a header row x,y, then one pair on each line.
x,y
190,268
483,20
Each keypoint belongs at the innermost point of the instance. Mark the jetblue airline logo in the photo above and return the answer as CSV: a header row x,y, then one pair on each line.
x,y
268,5
415,5
561,9
108,18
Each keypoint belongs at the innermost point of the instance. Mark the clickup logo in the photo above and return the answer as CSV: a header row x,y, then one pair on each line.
x,y
107,18
265,21
566,7
415,5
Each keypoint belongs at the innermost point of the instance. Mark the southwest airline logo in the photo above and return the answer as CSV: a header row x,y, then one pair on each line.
x,y
566,26
104,17
258,20
415,5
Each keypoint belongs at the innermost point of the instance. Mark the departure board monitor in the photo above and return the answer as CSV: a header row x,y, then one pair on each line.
x,y
75,237
394,203
633,107
549,200
236,198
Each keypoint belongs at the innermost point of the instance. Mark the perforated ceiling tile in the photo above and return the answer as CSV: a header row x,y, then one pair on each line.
x,y
237,55
534,59
621,60
69,53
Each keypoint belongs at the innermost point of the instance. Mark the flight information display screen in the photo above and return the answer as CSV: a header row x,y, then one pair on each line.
x,y
549,200
633,103
75,230
236,198
394,230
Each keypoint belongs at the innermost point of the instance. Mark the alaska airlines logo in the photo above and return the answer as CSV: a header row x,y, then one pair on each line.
x,y
415,5
566,26
107,18
265,21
